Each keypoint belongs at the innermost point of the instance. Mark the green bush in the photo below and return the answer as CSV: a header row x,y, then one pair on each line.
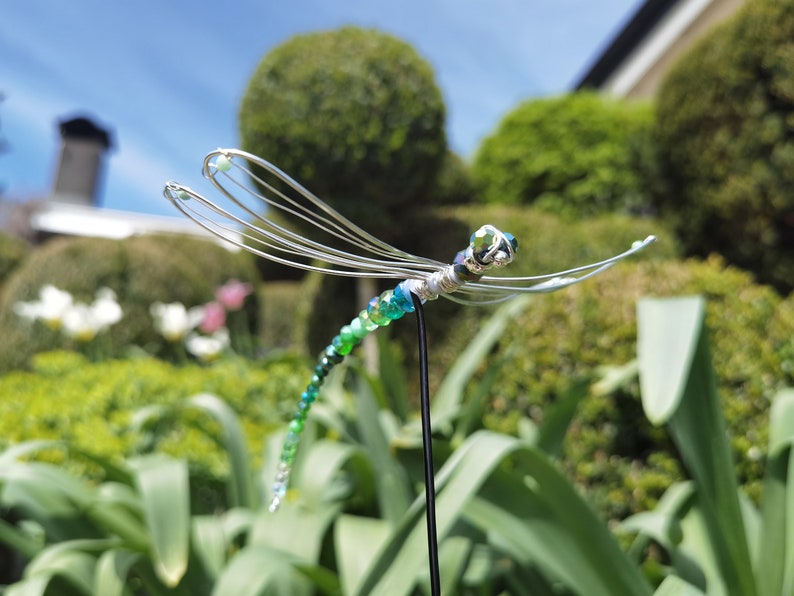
x,y
12,252
355,115
724,134
454,184
623,461
92,406
140,270
578,154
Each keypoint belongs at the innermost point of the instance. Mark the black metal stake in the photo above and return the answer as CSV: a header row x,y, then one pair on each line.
x,y
427,450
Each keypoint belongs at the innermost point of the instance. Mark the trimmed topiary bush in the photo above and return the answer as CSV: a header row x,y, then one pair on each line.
x,y
139,270
12,252
355,115
725,141
454,184
578,154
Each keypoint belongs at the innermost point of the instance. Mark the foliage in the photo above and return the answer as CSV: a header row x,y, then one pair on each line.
x,y
577,154
622,462
92,406
12,252
139,270
353,523
355,115
712,537
454,184
723,130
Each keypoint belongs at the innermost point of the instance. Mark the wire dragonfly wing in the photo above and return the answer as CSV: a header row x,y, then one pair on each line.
x,y
252,188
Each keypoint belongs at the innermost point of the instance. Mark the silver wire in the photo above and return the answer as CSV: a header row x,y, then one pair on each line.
x,y
251,186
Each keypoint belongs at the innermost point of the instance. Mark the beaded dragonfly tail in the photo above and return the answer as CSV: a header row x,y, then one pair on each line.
x,y
488,248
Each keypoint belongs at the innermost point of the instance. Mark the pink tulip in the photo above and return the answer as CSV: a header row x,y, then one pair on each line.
x,y
214,317
232,294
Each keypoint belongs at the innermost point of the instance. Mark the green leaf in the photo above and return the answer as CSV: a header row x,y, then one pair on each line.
x,y
775,561
258,570
18,540
392,484
453,557
781,421
72,560
675,586
447,400
542,520
679,387
402,558
667,336
357,540
112,570
240,487
294,529
163,484
209,542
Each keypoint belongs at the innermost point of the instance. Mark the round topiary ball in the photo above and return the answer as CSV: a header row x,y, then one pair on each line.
x,y
725,135
355,115
577,154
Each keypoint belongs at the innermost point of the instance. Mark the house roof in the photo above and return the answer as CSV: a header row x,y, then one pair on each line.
x,y
54,217
644,20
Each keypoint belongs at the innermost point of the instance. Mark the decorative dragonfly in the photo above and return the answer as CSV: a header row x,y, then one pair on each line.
x,y
251,186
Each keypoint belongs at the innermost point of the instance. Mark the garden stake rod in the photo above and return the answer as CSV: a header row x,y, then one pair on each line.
x,y
250,187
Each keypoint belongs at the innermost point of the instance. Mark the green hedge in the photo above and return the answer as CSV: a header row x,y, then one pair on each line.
x,y
12,252
140,270
92,405
577,154
724,136
353,114
611,449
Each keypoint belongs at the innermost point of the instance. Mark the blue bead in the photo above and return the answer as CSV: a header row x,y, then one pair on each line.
x,y
402,298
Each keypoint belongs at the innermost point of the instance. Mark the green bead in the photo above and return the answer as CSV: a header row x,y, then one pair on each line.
x,y
375,314
387,304
223,163
346,334
367,321
358,329
341,347
296,426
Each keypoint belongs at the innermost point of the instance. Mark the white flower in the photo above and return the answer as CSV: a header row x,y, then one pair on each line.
x,y
207,347
51,306
173,321
106,309
79,322
83,322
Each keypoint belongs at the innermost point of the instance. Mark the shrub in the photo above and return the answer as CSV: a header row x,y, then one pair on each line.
x,y
140,270
577,154
611,449
92,406
355,115
12,252
723,130
454,184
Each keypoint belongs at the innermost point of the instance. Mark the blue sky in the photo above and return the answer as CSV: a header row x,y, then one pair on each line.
x,y
166,77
